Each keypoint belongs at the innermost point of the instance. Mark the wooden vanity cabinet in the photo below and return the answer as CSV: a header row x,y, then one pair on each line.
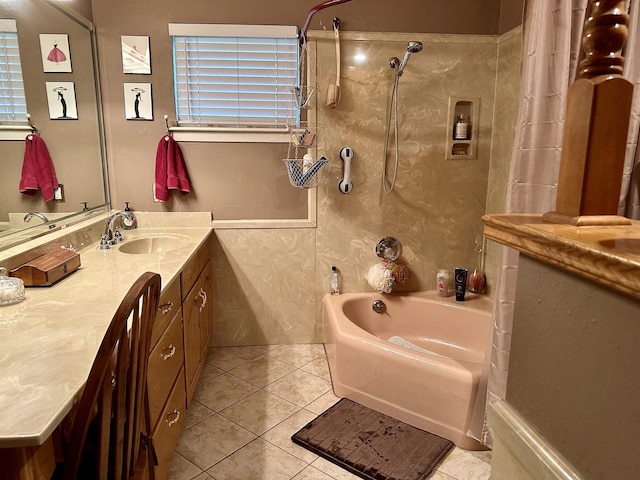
x,y
179,342
197,321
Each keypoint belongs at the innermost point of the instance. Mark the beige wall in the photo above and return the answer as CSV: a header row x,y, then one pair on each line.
x,y
510,14
577,342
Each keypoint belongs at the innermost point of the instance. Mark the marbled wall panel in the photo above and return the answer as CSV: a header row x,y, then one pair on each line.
x,y
436,206
264,286
504,123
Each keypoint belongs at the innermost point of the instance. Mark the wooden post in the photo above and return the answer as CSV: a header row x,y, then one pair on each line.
x,y
596,124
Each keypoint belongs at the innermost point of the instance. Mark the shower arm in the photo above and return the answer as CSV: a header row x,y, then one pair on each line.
x,y
302,37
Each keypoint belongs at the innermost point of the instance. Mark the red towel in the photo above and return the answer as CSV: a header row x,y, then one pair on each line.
x,y
37,169
171,173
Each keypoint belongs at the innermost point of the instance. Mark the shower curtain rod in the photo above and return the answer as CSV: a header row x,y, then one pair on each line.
x,y
321,6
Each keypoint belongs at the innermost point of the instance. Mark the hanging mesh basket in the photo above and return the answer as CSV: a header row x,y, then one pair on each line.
x,y
304,173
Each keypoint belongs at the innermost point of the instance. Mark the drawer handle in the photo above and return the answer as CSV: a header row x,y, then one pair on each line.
x,y
203,295
167,356
172,417
166,307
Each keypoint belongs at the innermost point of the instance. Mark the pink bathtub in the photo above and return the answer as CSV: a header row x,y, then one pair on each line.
x,y
428,374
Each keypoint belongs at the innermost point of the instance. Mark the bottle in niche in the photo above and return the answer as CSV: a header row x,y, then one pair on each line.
x,y
461,129
442,282
335,281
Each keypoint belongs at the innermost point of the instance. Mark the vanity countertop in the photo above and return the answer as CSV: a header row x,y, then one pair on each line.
x,y
49,340
608,255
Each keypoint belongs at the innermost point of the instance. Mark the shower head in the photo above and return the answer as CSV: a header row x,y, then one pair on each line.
x,y
412,47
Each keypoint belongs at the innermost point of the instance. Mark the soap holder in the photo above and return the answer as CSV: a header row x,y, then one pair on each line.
x,y
11,289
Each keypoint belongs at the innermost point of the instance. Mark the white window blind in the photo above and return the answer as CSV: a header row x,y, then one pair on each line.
x,y
13,105
235,75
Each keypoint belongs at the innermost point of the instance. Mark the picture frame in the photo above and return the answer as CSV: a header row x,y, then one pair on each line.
x,y
55,53
61,99
138,102
136,55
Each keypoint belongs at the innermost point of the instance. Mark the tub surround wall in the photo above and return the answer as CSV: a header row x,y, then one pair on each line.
x,y
505,117
575,337
436,206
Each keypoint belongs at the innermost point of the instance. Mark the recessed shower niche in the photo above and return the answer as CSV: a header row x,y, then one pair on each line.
x,y
462,128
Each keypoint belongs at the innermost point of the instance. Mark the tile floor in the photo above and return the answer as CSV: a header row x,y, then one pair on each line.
x,y
250,401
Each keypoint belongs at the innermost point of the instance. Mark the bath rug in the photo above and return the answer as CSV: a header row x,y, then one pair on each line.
x,y
372,445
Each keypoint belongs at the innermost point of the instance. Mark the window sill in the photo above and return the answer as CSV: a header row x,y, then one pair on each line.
x,y
230,135
14,132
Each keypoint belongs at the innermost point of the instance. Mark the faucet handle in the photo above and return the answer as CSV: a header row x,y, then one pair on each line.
x,y
117,236
105,244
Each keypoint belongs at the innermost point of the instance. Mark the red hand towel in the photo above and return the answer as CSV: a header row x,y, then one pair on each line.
x,y
171,173
37,169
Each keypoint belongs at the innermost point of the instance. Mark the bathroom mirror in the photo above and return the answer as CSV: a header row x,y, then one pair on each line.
x,y
75,145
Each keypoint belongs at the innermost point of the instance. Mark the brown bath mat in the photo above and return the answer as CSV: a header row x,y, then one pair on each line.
x,y
372,445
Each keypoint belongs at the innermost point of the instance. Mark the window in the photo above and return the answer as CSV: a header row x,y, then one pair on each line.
x,y
235,76
13,106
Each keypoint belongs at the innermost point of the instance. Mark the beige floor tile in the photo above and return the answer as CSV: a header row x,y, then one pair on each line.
x,y
264,348
440,476
196,413
259,460
204,476
209,371
298,354
211,440
260,411
300,387
312,473
227,358
262,371
221,391
465,465
280,435
182,469
318,366
323,403
333,470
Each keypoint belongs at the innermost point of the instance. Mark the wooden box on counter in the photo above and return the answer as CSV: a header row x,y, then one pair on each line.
x,y
48,269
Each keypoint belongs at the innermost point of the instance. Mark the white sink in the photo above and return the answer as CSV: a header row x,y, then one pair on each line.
x,y
157,243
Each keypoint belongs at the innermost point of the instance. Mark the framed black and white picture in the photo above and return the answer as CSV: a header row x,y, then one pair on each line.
x,y
136,56
61,98
54,48
138,104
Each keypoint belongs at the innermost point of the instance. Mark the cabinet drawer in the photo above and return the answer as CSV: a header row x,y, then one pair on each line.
x,y
167,307
189,274
165,362
193,267
167,432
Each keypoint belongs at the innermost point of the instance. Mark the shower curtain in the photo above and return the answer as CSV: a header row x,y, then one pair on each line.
x,y
552,31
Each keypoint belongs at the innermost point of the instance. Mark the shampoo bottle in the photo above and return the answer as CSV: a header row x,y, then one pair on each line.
x,y
335,283
461,130
442,283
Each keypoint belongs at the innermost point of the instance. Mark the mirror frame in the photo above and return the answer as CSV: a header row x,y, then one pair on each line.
x,y
36,231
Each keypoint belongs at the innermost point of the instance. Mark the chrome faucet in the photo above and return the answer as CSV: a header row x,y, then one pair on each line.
x,y
112,235
30,215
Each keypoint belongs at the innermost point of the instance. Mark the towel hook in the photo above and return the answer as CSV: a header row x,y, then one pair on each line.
x,y
166,122
31,125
